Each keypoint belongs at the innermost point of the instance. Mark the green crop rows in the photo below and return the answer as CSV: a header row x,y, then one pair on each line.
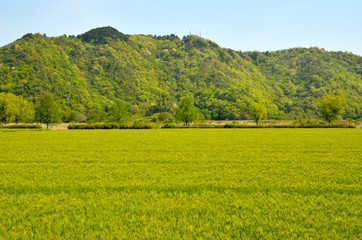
x,y
181,183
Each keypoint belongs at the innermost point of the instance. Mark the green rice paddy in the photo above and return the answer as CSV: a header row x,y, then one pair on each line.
x,y
181,184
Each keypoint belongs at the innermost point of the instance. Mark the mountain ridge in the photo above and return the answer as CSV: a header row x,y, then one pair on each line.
x,y
89,72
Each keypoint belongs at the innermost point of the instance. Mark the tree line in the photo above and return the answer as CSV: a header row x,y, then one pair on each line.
x,y
15,109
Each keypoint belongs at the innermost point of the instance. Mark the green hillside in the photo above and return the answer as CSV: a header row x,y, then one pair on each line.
x,y
301,76
149,74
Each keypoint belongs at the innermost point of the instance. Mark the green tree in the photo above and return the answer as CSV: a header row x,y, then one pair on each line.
x,y
258,112
26,112
15,109
331,107
7,107
118,112
186,111
47,110
96,115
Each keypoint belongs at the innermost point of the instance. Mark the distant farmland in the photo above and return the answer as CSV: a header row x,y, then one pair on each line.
x,y
181,183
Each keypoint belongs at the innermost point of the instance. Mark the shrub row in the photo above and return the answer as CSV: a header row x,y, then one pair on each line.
x,y
331,125
109,126
284,125
147,125
22,126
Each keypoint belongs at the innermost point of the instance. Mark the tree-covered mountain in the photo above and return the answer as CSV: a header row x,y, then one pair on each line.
x,y
91,72
300,77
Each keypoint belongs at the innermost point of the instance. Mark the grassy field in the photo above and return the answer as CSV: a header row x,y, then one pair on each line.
x,y
181,183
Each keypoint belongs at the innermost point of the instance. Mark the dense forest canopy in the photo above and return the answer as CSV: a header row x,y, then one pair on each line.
x,y
90,73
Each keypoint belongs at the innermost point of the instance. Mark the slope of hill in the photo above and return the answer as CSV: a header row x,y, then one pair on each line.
x,y
301,76
150,74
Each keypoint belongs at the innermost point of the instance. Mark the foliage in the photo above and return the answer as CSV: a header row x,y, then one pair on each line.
x,y
47,110
118,112
316,124
212,184
100,35
331,107
112,125
165,117
299,77
150,74
22,126
15,109
186,111
258,111
74,116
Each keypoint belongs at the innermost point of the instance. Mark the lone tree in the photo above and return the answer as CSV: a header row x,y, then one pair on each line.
x,y
47,110
331,107
258,111
186,111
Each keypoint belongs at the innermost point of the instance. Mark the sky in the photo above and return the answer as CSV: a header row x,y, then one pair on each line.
x,y
261,25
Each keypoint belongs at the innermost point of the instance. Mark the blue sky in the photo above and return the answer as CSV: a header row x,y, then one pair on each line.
x,y
238,24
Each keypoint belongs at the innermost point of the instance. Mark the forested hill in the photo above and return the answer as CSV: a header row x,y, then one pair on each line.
x,y
89,72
